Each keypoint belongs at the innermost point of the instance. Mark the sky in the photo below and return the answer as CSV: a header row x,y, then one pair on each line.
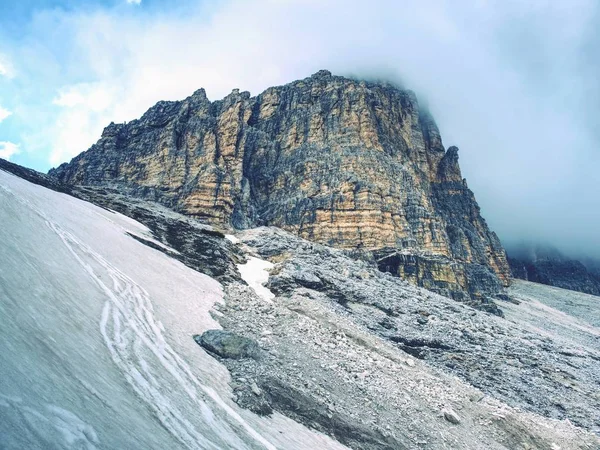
x,y
515,85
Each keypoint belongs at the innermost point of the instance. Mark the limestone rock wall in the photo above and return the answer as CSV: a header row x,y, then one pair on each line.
x,y
347,163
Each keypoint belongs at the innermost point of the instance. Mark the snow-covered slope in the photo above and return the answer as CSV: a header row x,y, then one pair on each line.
x,y
96,338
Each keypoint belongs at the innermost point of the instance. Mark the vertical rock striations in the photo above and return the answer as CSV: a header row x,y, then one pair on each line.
x,y
347,163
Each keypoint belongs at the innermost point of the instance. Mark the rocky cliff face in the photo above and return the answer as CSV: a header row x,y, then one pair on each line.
x,y
347,163
545,265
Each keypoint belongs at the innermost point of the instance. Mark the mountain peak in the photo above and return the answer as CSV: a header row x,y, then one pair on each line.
x,y
347,166
321,74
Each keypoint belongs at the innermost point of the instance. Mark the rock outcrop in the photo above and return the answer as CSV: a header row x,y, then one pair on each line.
x,y
228,345
352,164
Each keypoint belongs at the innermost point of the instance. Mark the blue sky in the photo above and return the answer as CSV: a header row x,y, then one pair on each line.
x,y
53,94
513,84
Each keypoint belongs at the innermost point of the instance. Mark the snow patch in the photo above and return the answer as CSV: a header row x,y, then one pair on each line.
x,y
231,238
255,273
137,346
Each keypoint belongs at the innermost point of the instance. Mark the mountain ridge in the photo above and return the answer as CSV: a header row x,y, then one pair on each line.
x,y
347,163
547,265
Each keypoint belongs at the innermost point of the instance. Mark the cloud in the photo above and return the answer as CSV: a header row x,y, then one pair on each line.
x,y
8,149
513,84
4,113
85,109
134,2
90,96
6,69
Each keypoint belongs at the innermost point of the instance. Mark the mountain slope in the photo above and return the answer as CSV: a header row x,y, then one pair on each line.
x,y
96,334
98,351
347,163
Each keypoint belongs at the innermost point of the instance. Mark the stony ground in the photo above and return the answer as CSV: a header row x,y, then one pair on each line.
x,y
378,363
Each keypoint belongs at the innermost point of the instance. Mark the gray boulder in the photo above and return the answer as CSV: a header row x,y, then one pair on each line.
x,y
228,345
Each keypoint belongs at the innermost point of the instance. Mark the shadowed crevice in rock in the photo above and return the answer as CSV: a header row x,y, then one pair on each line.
x,y
419,346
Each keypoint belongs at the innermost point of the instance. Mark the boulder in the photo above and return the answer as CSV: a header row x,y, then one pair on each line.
x,y
451,416
228,345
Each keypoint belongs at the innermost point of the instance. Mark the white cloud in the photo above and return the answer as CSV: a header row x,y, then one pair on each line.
x,y
6,69
91,96
506,80
85,109
8,149
4,113
134,2
69,98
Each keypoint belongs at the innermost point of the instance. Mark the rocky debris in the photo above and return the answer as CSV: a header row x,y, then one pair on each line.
x,y
251,397
229,345
522,365
582,307
441,275
545,265
323,368
303,407
347,163
255,389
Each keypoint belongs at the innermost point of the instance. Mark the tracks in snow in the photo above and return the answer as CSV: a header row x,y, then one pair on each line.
x,y
192,412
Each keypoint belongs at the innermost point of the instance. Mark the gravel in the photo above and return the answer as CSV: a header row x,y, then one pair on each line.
x,y
378,363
